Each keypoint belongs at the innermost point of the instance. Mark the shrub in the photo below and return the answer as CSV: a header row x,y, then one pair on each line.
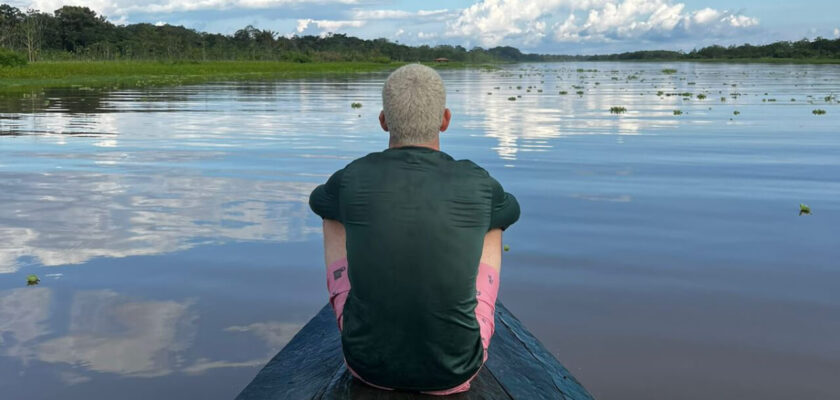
x,y
9,58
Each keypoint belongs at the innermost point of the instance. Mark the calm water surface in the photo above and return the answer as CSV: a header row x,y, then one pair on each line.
x,y
658,256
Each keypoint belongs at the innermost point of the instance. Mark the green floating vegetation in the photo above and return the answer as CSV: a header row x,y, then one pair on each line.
x,y
736,112
678,112
32,280
701,96
579,92
132,74
723,99
828,99
684,94
804,209
355,105
617,110
563,92
669,71
818,112
660,93
507,247
512,98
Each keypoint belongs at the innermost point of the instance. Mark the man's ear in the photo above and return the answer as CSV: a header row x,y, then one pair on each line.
x,y
382,122
447,115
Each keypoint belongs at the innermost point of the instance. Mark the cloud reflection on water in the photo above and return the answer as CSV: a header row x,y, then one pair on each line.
x,y
68,218
107,332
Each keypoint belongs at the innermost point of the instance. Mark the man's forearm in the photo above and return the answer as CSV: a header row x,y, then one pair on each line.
x,y
335,247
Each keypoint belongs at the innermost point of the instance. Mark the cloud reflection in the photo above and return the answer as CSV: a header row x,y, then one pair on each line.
x,y
109,333
69,218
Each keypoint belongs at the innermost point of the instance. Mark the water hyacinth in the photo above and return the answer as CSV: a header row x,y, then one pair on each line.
x,y
818,112
804,209
617,110
355,105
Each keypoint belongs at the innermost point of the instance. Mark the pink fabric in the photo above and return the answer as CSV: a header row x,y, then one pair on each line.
x,y
486,292
338,284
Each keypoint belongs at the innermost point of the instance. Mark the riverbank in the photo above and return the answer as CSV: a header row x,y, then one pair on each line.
x,y
124,74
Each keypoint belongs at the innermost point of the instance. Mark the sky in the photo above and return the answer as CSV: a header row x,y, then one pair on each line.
x,y
542,26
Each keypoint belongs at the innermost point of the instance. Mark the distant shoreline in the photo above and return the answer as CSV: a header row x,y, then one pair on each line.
x,y
138,74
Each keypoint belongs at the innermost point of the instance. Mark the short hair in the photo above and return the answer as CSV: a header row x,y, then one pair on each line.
x,y
413,100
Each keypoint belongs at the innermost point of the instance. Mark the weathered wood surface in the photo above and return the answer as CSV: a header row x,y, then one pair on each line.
x,y
311,367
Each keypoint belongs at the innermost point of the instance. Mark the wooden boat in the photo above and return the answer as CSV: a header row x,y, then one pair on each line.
x,y
311,367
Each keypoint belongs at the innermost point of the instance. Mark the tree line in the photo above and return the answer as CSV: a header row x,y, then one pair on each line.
x,y
79,33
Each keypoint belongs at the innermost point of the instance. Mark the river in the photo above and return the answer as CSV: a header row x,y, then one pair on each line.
x,y
658,256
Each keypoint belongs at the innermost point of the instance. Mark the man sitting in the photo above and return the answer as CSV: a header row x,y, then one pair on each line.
x,y
412,240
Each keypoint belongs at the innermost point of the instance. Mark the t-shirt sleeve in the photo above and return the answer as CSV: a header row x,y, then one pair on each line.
x,y
324,199
505,209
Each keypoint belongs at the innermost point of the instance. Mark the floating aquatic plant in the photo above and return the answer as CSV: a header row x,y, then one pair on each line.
x,y
507,247
804,209
677,112
579,92
660,93
818,112
512,98
355,105
32,280
736,112
669,71
564,92
617,110
701,96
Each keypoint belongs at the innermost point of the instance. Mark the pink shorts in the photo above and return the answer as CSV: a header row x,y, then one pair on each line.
x,y
486,287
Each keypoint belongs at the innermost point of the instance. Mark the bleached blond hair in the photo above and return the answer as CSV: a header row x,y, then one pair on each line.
x,y
413,100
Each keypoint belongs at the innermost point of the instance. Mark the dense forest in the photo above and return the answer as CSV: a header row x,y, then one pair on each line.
x,y
78,33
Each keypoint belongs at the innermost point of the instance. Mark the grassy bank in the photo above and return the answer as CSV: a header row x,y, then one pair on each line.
x,y
114,74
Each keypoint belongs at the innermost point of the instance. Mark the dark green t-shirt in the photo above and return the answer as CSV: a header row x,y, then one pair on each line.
x,y
415,220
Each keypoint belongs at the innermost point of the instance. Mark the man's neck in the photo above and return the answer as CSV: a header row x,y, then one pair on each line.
x,y
432,144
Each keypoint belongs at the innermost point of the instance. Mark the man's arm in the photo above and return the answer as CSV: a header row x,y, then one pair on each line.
x,y
335,247
491,254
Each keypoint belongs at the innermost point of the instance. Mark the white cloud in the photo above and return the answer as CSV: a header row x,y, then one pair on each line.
x,y
837,32
521,22
401,14
326,25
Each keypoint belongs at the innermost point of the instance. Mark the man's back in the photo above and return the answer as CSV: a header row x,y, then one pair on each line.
x,y
415,222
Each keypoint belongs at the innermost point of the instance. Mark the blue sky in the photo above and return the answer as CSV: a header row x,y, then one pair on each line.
x,y
547,26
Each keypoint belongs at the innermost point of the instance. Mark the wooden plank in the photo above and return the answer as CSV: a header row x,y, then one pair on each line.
x,y
311,366
525,368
